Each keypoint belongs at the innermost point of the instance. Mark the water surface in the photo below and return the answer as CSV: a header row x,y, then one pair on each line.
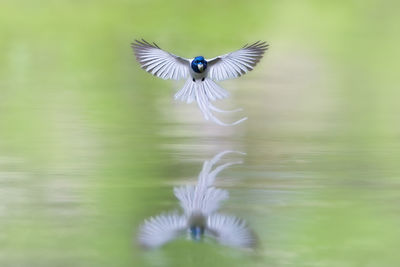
x,y
91,145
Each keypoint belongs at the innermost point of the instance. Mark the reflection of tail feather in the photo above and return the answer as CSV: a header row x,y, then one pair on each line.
x,y
217,170
203,197
196,200
206,176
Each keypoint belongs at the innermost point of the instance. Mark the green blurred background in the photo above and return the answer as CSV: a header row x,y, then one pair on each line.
x,y
91,145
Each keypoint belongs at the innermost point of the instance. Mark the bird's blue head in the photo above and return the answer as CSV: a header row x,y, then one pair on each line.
x,y
199,64
196,232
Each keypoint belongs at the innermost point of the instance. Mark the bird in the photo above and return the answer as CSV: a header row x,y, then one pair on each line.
x,y
200,218
200,73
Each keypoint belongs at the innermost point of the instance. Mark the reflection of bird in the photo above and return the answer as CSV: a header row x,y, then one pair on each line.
x,y
200,72
200,203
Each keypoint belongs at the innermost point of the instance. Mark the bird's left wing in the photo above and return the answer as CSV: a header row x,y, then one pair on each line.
x,y
230,231
161,229
159,62
237,63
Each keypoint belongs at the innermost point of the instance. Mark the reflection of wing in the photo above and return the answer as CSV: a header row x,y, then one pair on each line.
x,y
230,231
161,229
159,62
237,63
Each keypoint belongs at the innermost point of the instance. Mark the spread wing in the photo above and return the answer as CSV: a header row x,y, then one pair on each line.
x,y
159,62
230,231
237,63
161,229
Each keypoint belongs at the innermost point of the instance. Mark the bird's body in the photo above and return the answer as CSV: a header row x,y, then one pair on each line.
x,y
197,77
199,72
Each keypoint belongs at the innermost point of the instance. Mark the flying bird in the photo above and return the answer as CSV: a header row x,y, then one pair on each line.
x,y
200,73
200,218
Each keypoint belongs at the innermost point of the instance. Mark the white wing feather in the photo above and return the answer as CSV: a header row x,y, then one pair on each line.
x,y
237,63
230,231
161,229
159,62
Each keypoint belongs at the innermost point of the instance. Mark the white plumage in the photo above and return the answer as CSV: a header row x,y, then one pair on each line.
x,y
236,63
161,229
200,85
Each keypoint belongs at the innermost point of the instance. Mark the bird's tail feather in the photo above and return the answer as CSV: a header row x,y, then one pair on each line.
x,y
204,92
209,89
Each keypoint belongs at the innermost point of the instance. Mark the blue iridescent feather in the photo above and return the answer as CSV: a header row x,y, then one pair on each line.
x,y
195,64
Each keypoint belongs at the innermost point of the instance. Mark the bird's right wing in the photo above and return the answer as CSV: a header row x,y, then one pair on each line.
x,y
159,62
161,229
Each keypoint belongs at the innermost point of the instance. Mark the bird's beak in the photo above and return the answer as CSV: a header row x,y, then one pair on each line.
x,y
200,66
